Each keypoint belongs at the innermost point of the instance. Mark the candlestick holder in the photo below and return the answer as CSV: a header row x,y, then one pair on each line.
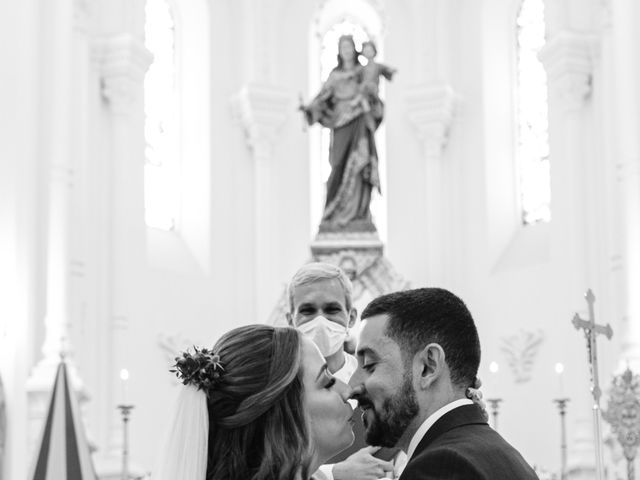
x,y
494,407
125,411
562,410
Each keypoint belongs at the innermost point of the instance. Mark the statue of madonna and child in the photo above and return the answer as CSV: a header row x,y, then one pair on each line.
x,y
349,104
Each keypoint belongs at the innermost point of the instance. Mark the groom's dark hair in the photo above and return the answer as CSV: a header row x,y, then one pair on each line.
x,y
432,315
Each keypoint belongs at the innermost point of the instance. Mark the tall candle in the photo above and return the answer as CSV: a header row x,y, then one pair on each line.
x,y
560,370
494,368
124,377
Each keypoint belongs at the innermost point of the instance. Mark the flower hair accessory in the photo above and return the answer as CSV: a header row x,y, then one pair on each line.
x,y
201,368
474,394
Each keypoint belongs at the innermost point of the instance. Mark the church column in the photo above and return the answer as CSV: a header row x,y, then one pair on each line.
x,y
623,99
261,107
568,60
21,242
65,63
431,109
261,111
121,61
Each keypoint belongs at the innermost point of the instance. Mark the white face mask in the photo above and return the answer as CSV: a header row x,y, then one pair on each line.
x,y
327,335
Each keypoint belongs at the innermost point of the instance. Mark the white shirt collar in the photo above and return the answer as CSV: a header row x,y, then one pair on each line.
x,y
431,419
347,369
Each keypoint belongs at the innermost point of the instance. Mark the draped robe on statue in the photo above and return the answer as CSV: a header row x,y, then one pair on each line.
x,y
352,153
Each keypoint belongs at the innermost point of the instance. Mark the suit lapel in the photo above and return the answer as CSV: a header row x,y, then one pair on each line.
x,y
464,415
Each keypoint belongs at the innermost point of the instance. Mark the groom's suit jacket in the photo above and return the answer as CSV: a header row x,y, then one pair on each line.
x,y
462,446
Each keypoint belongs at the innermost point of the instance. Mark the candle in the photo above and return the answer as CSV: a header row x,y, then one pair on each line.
x,y
559,371
124,376
493,372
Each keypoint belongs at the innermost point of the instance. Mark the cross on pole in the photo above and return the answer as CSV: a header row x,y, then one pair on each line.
x,y
591,330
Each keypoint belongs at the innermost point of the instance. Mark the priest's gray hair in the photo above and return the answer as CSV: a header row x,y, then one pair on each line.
x,y
315,272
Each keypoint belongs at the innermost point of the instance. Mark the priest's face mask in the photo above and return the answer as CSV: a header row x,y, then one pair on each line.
x,y
320,312
382,385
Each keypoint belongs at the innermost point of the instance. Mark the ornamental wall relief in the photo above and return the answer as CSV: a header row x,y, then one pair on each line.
x,y
520,351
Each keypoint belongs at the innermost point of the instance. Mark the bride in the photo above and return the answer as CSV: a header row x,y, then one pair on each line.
x,y
260,405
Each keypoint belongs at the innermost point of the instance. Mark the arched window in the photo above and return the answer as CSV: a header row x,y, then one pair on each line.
x,y
162,152
531,115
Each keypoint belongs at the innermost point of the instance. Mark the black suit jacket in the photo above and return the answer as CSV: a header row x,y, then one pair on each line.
x,y
462,446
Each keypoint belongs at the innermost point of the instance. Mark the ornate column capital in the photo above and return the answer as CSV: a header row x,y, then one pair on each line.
x,y
82,10
568,59
261,110
122,61
431,109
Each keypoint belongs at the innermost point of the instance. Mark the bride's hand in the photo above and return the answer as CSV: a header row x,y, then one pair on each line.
x,y
362,465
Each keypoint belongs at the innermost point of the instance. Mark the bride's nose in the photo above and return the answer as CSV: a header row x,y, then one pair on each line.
x,y
344,390
356,391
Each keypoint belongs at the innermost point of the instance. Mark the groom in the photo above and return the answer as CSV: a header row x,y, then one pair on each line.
x,y
418,353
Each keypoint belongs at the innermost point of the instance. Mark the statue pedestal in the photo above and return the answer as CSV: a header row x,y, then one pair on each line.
x,y
332,243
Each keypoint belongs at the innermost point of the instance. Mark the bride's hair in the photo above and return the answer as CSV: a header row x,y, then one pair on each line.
x,y
257,424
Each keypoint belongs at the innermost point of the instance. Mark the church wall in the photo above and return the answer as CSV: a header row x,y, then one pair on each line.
x,y
259,228
510,279
180,301
139,295
20,232
409,229
531,278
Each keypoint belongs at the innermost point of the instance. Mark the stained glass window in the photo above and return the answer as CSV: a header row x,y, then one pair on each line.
x,y
162,151
532,118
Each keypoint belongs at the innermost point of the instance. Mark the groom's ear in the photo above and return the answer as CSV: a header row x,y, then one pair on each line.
x,y
429,364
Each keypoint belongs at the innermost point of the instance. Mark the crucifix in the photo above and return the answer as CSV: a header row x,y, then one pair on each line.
x,y
591,330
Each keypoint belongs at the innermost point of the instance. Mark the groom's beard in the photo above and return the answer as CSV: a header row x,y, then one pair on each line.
x,y
387,426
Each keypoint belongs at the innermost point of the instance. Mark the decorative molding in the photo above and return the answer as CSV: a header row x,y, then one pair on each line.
x,y
63,175
431,110
77,268
604,14
628,170
568,60
521,350
81,15
261,110
122,61
120,322
616,262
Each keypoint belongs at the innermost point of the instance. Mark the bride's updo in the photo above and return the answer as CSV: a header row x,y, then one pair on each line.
x,y
257,424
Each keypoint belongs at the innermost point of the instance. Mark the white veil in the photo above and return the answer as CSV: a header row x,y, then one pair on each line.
x,y
184,453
